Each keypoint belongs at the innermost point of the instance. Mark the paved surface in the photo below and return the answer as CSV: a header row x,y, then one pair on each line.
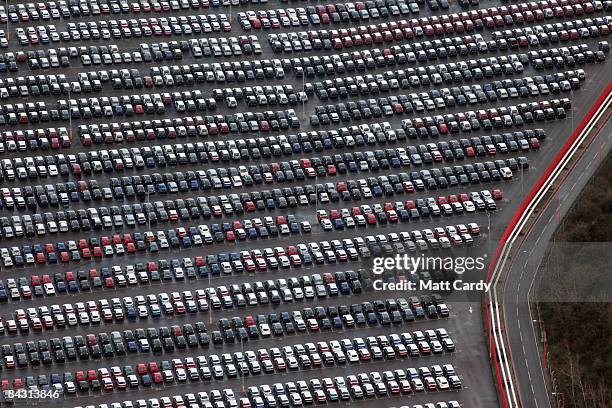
x,y
524,334
465,323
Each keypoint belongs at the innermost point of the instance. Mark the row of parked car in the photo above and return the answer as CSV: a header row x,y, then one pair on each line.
x,y
476,18
504,40
61,9
217,206
167,271
229,330
391,81
567,57
436,100
206,207
173,183
186,237
549,33
304,288
159,156
396,55
119,160
176,269
104,217
124,29
411,210
325,14
94,81
347,250
88,108
198,126
34,139
382,33
190,74
126,244
299,356
373,385
160,271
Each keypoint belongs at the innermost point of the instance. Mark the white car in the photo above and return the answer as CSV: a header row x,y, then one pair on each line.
x,y
442,383
468,206
506,172
264,329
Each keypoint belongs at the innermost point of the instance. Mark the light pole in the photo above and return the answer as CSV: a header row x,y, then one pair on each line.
x,y
544,336
149,203
303,96
8,21
209,305
522,178
241,371
69,114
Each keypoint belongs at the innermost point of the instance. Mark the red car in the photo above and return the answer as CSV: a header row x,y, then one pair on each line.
x,y
92,375
371,219
107,383
408,186
157,378
497,194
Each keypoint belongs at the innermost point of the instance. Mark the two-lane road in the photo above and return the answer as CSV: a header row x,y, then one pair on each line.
x,y
522,337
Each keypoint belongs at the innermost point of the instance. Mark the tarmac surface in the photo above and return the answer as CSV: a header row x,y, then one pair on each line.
x,y
465,324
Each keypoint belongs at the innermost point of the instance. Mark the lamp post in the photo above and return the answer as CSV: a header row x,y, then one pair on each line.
x,y
8,21
69,114
544,336
242,372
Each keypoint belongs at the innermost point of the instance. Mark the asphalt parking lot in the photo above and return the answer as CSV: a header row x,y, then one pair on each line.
x,y
464,323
